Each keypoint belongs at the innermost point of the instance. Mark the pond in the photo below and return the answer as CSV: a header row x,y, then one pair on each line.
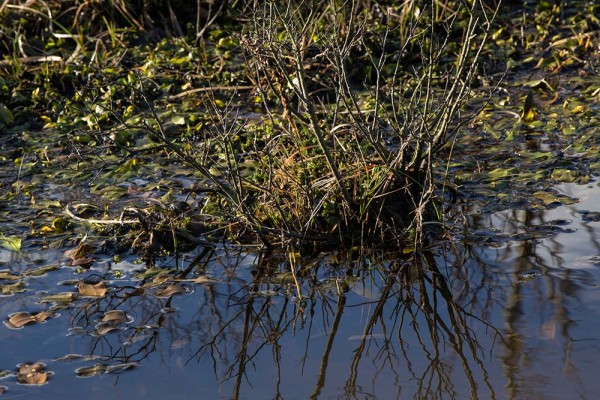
x,y
135,152
510,309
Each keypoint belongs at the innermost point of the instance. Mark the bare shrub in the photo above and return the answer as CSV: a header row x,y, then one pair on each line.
x,y
359,102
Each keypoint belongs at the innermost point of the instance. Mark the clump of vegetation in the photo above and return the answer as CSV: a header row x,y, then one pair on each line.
x,y
305,122
355,103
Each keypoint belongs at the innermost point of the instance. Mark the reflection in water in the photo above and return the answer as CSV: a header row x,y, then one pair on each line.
x,y
508,310
549,271
361,330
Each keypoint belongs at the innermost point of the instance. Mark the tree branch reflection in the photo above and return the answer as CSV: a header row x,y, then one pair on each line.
x,y
258,337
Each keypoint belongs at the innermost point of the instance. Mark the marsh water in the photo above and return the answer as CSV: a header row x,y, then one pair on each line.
x,y
509,308
116,282
506,306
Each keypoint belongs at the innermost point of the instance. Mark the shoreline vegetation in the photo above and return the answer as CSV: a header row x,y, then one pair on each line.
x,y
315,123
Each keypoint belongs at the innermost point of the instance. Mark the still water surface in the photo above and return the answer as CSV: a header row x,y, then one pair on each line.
x,y
509,310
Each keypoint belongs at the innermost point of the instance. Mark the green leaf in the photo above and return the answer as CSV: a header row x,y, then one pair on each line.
x,y
40,271
178,120
6,116
10,289
528,115
12,243
564,175
227,43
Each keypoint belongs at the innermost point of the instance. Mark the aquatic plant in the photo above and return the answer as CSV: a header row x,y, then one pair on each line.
x,y
354,102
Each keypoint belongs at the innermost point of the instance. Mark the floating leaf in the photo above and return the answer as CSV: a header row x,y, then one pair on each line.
x,y
19,320
12,243
40,271
76,330
32,374
141,333
283,278
151,272
82,262
203,279
59,298
550,229
501,173
8,276
547,197
9,290
104,327
564,175
76,357
44,315
170,290
86,210
111,369
227,43
92,289
214,171
81,251
97,369
560,222
408,250
86,372
158,280
541,84
118,316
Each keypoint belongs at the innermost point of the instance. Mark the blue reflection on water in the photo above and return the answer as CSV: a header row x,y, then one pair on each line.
x,y
469,320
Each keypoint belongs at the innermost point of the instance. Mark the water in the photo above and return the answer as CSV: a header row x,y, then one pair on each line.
x,y
546,300
511,312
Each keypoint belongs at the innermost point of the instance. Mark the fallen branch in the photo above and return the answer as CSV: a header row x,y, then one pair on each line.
x,y
119,221
210,89
31,60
